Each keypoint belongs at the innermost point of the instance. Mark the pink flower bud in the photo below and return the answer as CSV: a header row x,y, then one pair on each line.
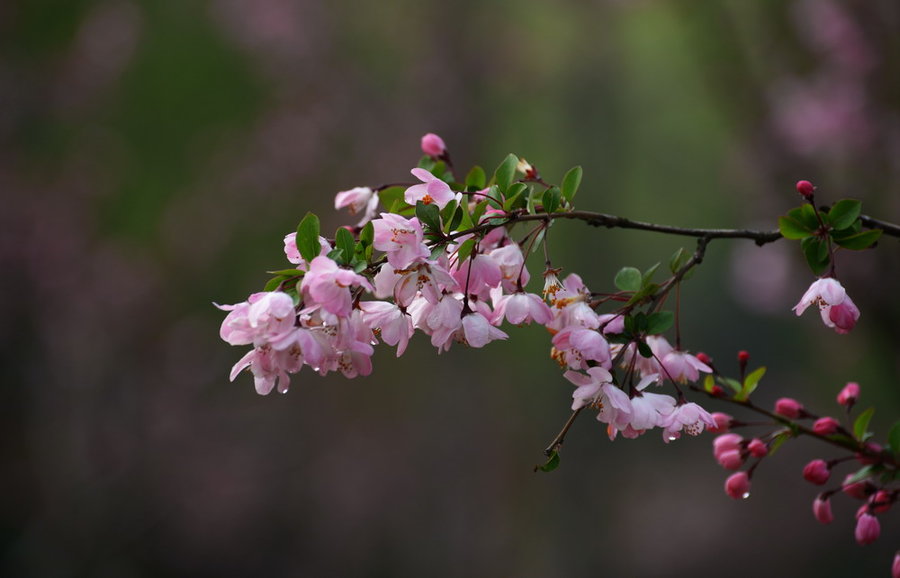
x,y
849,394
743,357
817,472
717,391
859,490
433,145
867,529
726,442
881,501
723,422
806,188
737,486
731,459
703,358
825,426
788,407
895,567
757,448
822,510
872,447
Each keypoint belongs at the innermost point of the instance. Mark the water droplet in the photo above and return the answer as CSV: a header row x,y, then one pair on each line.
x,y
745,495
672,438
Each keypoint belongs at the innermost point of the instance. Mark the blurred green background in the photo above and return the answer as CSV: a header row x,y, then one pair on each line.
x,y
154,155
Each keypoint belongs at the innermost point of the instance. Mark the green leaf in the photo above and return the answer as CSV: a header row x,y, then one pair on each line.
x,y
859,241
287,272
479,211
367,234
343,240
391,195
455,220
308,237
429,215
861,425
628,279
860,475
515,197
709,382
648,275
644,350
679,260
550,200
476,178
506,172
464,251
844,213
733,384
274,282
571,182
750,383
806,216
552,463
894,438
816,252
792,229
448,210
644,292
660,322
778,441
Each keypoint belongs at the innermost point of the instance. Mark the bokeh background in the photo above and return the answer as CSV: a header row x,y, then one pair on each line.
x,y
155,153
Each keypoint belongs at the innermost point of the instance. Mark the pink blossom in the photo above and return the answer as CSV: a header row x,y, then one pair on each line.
x,y
588,387
394,325
267,373
737,486
817,472
358,200
683,367
521,307
440,319
478,274
612,323
757,448
511,262
570,302
825,426
328,285
575,346
433,145
477,330
837,309
426,278
822,510
596,389
432,190
867,529
688,416
788,407
650,409
402,239
848,396
264,317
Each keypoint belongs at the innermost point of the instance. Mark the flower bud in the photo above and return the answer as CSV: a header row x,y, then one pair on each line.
x,y
731,459
723,422
817,472
703,358
806,188
726,442
872,447
867,529
717,391
859,490
822,510
743,357
433,145
825,426
737,486
849,394
881,501
757,448
895,567
788,407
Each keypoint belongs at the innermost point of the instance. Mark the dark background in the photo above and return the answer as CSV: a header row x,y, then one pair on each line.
x,y
155,153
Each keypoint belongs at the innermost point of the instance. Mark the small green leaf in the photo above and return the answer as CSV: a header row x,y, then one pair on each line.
x,y
506,172
861,425
476,178
894,438
628,279
427,163
648,275
552,463
733,384
816,252
660,322
859,241
679,260
464,251
515,197
709,383
860,475
429,215
343,240
792,229
287,272
390,195
479,210
571,182
778,441
750,383
644,292
337,256
844,213
367,234
274,282
806,216
644,350
455,220
308,237
550,200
